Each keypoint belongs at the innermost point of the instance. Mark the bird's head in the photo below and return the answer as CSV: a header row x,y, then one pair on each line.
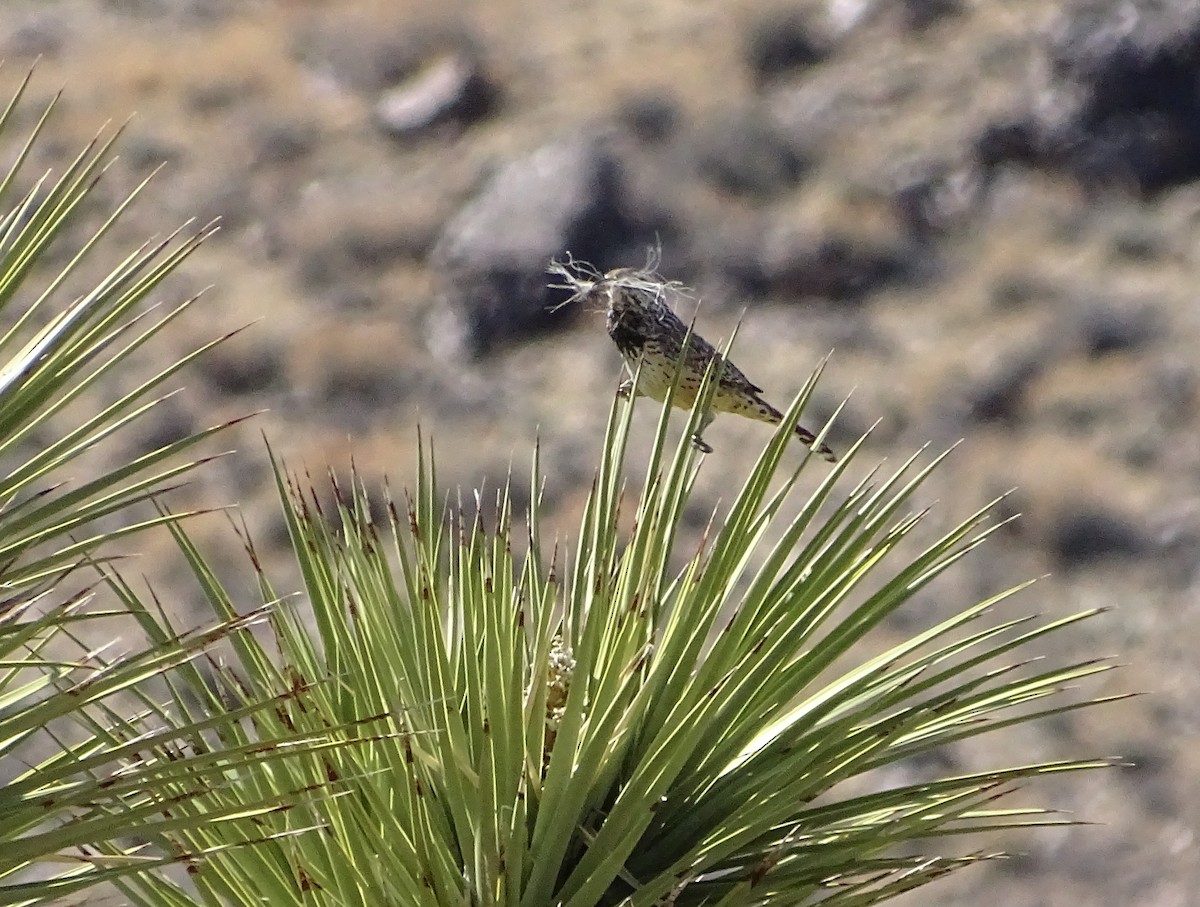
x,y
633,299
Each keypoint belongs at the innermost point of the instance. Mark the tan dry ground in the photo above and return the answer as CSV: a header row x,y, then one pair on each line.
x,y
340,352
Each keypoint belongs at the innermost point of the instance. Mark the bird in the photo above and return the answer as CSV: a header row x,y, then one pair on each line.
x,y
649,334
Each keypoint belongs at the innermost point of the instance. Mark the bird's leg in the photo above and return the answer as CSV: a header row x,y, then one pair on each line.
x,y
697,441
627,390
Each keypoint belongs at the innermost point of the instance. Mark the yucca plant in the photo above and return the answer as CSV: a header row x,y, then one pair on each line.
x,y
66,795
605,726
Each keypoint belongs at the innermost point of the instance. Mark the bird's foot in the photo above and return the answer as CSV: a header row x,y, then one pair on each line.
x,y
701,445
625,389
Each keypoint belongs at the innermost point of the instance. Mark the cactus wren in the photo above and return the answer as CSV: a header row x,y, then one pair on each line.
x,y
649,333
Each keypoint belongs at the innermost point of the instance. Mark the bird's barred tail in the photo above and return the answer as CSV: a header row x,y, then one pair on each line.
x,y
809,439
757,408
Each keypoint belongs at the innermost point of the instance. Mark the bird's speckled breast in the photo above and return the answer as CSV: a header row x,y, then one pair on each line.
x,y
658,372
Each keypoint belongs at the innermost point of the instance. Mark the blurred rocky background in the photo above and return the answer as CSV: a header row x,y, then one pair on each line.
x,y
988,209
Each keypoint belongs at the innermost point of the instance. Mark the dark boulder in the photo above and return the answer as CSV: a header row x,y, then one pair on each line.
x,y
567,196
780,42
450,89
1121,106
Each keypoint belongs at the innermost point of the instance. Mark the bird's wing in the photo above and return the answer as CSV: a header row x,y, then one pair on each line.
x,y
730,376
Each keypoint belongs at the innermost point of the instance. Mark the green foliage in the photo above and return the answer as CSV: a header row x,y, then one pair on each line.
x,y
616,730
55,355
57,358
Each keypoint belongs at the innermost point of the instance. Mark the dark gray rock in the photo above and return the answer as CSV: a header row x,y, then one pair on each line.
x,y
41,35
452,88
999,395
492,256
243,371
1147,769
1087,533
283,142
918,15
1121,108
780,42
651,118
169,421
1140,243
1013,140
1106,328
